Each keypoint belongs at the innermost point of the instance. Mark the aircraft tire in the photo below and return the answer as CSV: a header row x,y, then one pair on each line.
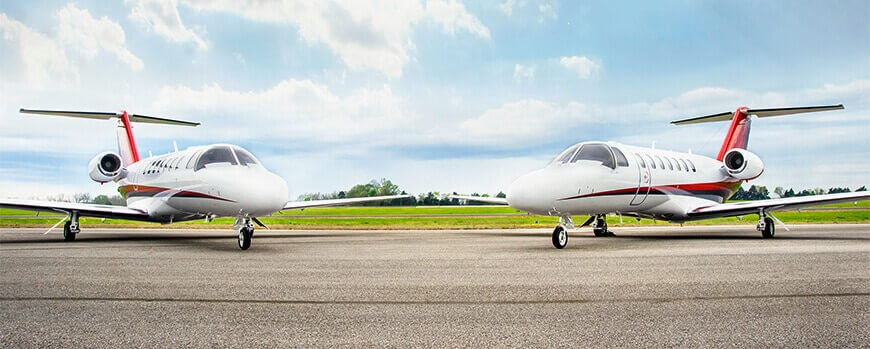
x,y
769,229
600,227
245,235
68,234
560,237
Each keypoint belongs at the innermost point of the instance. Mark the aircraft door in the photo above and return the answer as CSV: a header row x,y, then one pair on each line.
x,y
643,182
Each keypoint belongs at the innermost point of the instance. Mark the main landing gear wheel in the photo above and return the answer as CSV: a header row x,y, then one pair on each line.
x,y
769,228
600,228
245,235
560,237
68,234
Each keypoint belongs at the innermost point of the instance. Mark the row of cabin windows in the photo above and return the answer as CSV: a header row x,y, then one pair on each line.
x,y
672,163
161,165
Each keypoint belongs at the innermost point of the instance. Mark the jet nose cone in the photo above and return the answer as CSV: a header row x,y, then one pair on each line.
x,y
518,193
527,193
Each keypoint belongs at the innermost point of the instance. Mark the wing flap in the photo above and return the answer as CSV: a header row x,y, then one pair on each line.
x,y
339,202
750,207
84,210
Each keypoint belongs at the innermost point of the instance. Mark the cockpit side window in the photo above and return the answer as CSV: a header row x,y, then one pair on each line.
x,y
566,155
215,155
621,161
191,162
595,152
245,157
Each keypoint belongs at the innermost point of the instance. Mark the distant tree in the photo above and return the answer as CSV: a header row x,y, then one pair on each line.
x,y
839,190
788,193
862,188
778,191
501,195
82,197
102,200
342,195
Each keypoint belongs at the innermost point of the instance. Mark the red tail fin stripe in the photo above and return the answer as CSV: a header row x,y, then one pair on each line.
x,y
125,120
738,133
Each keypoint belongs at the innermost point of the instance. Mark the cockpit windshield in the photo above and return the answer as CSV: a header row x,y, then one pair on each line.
x,y
566,155
245,158
595,152
218,154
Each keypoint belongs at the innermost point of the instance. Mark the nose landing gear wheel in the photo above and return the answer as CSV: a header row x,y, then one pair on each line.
x,y
245,235
68,234
769,229
560,237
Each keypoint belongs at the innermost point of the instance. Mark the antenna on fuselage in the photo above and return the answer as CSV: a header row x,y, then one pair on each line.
x,y
175,145
149,154
653,145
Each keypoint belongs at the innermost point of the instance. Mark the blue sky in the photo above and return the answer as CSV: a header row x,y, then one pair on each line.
x,y
437,95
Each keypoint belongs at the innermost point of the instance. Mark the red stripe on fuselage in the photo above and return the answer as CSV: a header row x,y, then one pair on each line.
x,y
716,187
144,190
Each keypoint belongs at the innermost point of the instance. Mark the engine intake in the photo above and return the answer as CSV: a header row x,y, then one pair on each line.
x,y
742,164
106,166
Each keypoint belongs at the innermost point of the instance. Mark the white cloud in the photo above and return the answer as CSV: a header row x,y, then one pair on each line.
x,y
290,110
451,14
366,35
77,29
43,60
507,7
524,73
581,65
546,12
163,18
522,122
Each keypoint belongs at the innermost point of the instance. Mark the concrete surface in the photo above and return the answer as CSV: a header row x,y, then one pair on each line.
x,y
649,286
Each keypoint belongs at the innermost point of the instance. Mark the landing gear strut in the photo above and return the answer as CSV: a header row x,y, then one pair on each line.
x,y
600,228
246,233
765,225
560,234
71,227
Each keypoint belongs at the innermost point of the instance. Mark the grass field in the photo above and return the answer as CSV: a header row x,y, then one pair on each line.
x,y
439,217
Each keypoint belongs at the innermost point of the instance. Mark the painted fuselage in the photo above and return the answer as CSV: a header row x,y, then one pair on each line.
x,y
664,185
178,186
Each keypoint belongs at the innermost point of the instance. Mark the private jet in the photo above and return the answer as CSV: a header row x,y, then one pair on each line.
x,y
600,178
202,182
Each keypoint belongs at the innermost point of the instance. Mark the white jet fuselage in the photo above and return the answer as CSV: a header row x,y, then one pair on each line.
x,y
642,182
179,186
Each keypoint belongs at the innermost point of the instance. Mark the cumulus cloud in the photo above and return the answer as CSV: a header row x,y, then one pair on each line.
x,y
580,65
524,73
43,60
546,9
524,121
292,110
78,30
163,18
366,35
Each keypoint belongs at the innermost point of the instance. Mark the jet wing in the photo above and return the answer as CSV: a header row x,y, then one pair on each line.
x,y
749,207
83,210
489,200
338,202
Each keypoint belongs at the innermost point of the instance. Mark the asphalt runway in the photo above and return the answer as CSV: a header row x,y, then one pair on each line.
x,y
651,286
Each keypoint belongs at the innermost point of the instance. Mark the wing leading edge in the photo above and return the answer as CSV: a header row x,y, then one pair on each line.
x,y
750,207
83,210
338,202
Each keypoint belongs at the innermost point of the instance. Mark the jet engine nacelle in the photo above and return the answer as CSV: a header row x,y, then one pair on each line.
x,y
742,164
106,166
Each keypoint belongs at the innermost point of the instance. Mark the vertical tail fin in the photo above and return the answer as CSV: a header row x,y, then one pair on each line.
x,y
738,133
126,142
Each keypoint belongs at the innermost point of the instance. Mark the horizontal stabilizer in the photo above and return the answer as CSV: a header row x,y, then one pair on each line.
x,y
762,113
106,116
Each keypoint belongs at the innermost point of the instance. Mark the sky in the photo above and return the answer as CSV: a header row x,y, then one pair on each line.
x,y
436,95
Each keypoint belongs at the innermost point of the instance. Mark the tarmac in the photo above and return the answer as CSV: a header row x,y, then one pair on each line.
x,y
660,286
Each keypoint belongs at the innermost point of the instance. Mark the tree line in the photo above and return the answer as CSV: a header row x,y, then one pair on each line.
x,y
434,198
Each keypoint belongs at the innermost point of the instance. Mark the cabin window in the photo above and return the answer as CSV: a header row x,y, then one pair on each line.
x,y
220,154
621,161
677,165
566,155
640,161
691,164
684,165
652,162
661,164
670,165
245,157
595,152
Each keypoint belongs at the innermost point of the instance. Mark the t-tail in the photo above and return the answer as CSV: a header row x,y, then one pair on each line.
x,y
126,142
738,134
